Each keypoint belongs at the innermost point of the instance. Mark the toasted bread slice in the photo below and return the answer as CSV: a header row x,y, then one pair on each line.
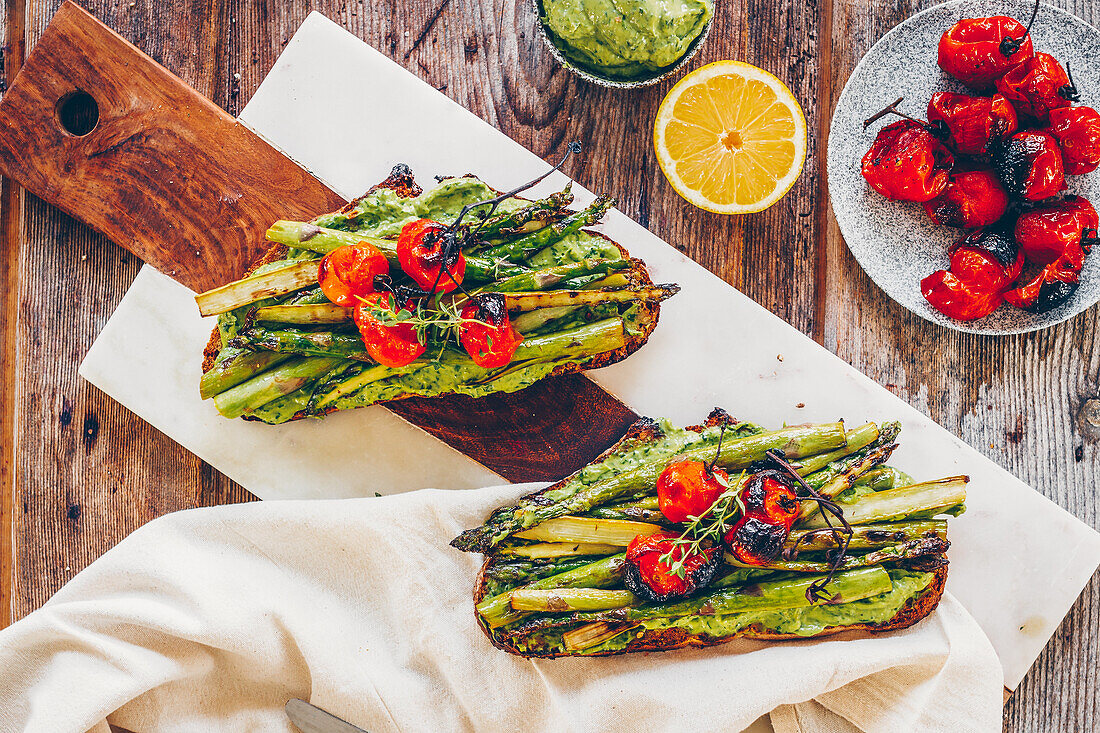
x,y
647,430
401,182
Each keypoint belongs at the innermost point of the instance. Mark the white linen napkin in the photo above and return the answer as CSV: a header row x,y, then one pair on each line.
x,y
211,619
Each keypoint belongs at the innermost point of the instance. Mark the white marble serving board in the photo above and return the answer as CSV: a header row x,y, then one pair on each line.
x,y
348,113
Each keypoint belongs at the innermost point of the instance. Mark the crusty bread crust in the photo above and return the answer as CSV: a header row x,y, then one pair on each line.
x,y
651,640
401,182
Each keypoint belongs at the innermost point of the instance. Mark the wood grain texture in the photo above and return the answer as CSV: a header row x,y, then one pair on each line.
x,y
164,172
175,180
1015,399
11,235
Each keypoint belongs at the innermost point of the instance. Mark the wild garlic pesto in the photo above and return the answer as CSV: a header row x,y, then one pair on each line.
x,y
625,39
382,213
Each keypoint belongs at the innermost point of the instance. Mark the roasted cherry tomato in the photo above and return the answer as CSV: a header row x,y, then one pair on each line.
x,y
647,577
1049,289
689,488
423,248
907,162
972,121
977,51
998,246
971,199
1054,231
955,299
754,541
393,345
1029,164
1077,130
492,342
769,496
1037,86
981,271
347,273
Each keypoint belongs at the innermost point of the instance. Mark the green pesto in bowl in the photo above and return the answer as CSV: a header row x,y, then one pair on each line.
x,y
624,42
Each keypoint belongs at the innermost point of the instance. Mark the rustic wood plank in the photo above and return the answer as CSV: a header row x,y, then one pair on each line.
x,y
89,471
11,228
486,57
1015,399
157,168
162,171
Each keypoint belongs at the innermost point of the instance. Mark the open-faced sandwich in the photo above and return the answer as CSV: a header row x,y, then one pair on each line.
x,y
692,537
457,290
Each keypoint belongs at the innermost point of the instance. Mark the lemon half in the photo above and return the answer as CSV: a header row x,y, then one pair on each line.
x,y
730,138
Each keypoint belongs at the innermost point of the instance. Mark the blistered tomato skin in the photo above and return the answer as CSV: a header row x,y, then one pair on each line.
x,y
1050,232
347,273
769,496
973,122
948,294
754,541
491,341
1029,165
1077,130
420,253
395,345
647,577
1037,86
971,199
907,162
971,50
688,489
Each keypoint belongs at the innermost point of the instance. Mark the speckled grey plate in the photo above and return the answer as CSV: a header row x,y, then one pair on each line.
x,y
895,242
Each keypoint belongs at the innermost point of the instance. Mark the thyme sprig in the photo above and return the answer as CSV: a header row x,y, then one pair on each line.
x,y
445,318
708,527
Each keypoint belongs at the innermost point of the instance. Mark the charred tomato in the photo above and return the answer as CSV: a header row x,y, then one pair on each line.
x,y
754,541
1057,230
972,121
647,576
1029,164
487,333
952,297
971,199
1077,130
389,344
689,488
907,162
977,51
770,496
1049,289
424,249
1037,86
347,273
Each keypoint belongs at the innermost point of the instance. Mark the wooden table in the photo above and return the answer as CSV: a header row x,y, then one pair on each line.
x,y
79,472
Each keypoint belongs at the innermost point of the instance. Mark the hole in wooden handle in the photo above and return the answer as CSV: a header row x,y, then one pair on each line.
x,y
78,113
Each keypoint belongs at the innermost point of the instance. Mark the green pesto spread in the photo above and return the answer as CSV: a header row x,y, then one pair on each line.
x,y
671,442
383,213
625,39
805,621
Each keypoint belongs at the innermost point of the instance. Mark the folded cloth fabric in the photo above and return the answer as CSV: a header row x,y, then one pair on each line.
x,y
211,619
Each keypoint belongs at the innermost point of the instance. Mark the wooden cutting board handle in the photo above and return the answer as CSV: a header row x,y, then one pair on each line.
x,y
97,128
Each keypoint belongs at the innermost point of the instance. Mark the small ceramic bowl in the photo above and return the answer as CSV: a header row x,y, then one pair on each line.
x,y
605,81
896,243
